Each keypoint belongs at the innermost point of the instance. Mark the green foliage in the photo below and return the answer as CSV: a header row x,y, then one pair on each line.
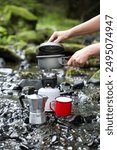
x,y
3,31
55,21
10,10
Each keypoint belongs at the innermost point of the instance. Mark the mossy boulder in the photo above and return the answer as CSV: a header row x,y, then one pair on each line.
x,y
10,10
31,36
8,54
27,36
31,53
72,48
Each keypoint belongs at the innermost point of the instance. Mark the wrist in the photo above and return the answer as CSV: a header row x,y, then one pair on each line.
x,y
69,33
94,50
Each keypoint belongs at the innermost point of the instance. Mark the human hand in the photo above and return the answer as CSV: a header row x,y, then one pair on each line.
x,y
80,57
59,36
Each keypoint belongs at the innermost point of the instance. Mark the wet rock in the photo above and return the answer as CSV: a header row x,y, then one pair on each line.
x,y
94,81
70,148
6,71
78,84
8,54
28,90
24,147
64,86
36,83
24,65
2,63
76,120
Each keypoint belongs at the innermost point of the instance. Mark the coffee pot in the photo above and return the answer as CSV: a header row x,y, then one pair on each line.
x,y
37,108
49,83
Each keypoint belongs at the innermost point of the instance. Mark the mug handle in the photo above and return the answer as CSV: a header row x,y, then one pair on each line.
x,y
51,106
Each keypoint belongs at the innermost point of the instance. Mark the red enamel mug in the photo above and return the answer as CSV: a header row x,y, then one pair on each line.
x,y
62,106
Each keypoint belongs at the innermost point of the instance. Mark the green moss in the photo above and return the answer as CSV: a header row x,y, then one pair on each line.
x,y
30,53
27,75
10,10
27,35
55,21
93,62
72,48
74,72
96,75
3,31
31,36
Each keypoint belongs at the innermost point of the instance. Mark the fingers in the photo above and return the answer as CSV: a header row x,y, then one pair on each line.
x,y
57,40
76,61
57,37
53,37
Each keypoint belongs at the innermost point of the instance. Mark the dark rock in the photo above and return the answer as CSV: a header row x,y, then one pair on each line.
x,y
78,84
24,147
2,62
76,119
8,54
26,120
36,83
64,86
94,81
28,90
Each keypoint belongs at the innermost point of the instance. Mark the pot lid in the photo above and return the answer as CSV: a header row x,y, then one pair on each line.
x,y
50,48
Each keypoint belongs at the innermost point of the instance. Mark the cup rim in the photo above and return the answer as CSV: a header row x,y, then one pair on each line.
x,y
62,99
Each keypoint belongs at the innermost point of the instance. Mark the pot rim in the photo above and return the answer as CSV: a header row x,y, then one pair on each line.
x,y
50,56
50,44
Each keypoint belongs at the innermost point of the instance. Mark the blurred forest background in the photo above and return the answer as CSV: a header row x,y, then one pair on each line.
x,y
25,24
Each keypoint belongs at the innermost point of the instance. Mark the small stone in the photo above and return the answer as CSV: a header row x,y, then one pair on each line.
x,y
94,81
78,84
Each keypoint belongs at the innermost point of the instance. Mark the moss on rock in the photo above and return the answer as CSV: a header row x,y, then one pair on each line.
x,y
93,62
72,48
8,54
30,53
74,72
10,10
31,36
28,75
96,75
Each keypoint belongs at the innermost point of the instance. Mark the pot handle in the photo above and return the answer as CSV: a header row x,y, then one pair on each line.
x,y
63,60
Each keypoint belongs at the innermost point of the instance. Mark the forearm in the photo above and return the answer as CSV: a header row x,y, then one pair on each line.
x,y
89,26
81,56
93,50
